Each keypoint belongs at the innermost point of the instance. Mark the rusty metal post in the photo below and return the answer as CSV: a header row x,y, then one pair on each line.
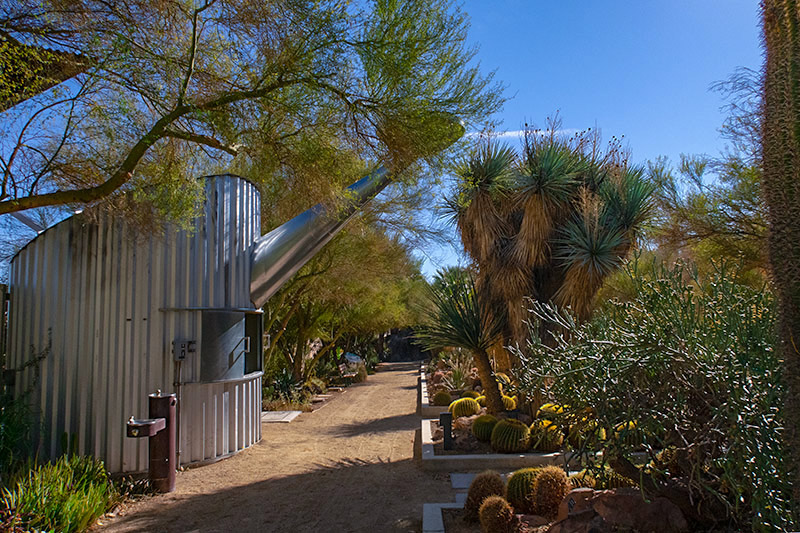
x,y
162,444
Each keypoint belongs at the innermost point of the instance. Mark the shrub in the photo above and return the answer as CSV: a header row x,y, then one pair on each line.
x,y
482,427
519,489
691,359
485,484
497,516
549,488
545,436
510,436
68,495
464,407
442,397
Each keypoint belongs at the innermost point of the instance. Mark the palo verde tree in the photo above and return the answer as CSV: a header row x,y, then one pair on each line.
x,y
548,224
167,90
780,152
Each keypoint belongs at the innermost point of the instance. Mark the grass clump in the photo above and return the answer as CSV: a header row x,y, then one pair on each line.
x,y
65,496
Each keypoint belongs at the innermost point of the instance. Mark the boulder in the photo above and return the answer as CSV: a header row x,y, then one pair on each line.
x,y
584,522
576,501
626,508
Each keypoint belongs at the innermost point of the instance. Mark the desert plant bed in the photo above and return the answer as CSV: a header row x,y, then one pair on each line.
x,y
473,457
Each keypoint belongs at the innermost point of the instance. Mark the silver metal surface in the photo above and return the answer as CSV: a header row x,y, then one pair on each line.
x,y
91,299
279,254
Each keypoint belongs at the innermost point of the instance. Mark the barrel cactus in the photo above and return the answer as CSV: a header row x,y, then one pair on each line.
x,y
470,394
585,429
464,407
485,484
442,398
510,436
497,516
582,479
509,404
549,489
481,400
545,436
628,433
482,427
549,411
610,479
519,489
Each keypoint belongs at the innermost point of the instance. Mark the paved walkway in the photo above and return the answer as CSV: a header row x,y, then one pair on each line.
x,y
347,467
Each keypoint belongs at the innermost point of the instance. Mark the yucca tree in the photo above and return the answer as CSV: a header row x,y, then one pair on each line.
x,y
460,318
550,223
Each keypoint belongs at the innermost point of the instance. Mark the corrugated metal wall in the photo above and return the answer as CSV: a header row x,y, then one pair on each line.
x,y
109,305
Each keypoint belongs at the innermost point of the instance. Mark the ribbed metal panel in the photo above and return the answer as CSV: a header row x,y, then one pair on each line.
x,y
111,303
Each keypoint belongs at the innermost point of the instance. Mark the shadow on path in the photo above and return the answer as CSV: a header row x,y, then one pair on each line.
x,y
340,497
408,422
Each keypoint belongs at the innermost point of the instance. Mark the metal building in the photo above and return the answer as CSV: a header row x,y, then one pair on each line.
x,y
112,316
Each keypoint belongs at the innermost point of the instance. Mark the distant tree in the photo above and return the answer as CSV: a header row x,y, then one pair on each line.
x,y
713,207
166,90
780,144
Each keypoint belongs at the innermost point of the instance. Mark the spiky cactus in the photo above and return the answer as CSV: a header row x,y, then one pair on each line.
x,y
545,436
780,149
470,394
519,489
497,516
481,400
549,488
482,427
628,433
487,483
584,478
464,407
510,436
442,398
549,411
509,403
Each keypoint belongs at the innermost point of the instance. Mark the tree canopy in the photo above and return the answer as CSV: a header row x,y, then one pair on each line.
x,y
169,90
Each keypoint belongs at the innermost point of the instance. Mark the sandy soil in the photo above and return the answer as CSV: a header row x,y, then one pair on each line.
x,y
347,467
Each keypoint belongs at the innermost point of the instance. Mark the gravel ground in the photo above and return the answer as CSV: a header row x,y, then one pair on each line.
x,y
347,467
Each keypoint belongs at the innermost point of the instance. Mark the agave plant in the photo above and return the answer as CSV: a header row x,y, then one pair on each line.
x,y
458,317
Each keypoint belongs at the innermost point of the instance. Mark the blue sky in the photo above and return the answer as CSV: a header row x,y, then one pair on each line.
x,y
639,69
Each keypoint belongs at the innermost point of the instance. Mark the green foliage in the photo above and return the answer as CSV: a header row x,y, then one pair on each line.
x,y
16,423
549,489
482,427
487,483
691,359
442,398
546,437
497,516
464,407
68,495
510,436
519,489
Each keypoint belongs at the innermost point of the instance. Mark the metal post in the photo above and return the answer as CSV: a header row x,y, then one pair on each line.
x,y
162,444
446,421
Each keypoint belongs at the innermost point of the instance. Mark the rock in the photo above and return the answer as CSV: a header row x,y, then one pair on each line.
x,y
533,520
576,501
626,508
584,522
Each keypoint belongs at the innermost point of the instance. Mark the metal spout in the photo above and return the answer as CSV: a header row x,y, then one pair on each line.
x,y
278,255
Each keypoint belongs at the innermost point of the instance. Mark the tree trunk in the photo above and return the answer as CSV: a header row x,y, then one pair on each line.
x,y
780,145
494,402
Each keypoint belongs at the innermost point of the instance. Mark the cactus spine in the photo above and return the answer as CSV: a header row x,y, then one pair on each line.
x,y
510,436
519,489
482,427
497,516
442,398
464,407
509,404
546,437
485,484
549,488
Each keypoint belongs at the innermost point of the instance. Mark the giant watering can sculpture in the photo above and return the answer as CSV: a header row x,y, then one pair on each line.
x,y
279,254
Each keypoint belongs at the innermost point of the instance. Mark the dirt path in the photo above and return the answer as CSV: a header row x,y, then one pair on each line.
x,y
347,467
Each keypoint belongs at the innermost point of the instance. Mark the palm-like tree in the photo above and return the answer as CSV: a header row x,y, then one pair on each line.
x,y
460,318
549,224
